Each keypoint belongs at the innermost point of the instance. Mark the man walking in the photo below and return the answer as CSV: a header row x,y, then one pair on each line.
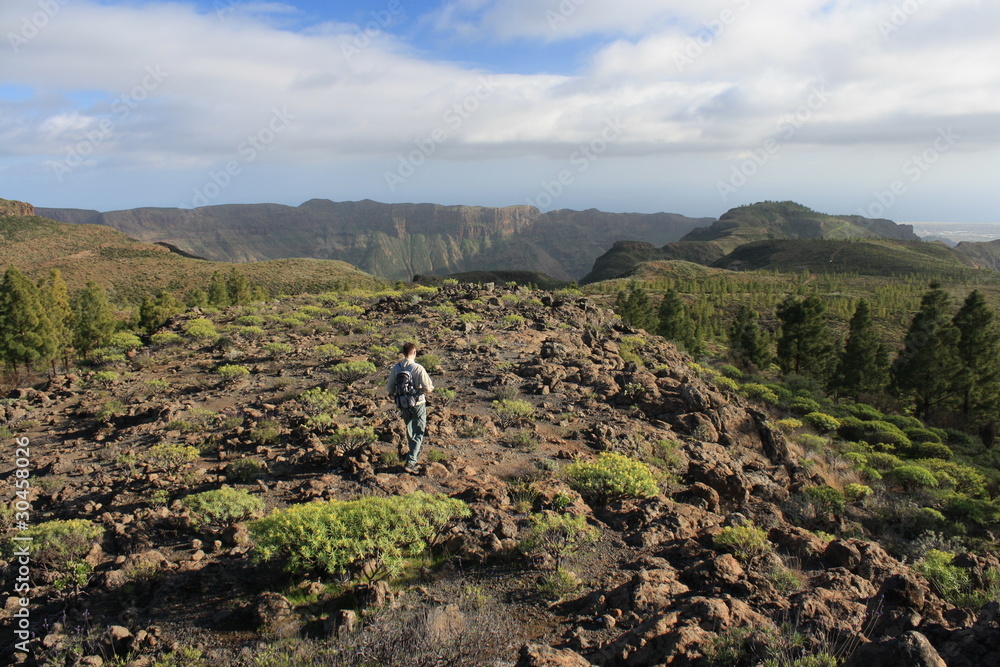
x,y
408,385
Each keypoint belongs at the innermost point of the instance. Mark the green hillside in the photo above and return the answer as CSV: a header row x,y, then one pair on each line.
x,y
130,269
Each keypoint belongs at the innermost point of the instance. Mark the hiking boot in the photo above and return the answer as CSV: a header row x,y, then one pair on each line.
x,y
411,468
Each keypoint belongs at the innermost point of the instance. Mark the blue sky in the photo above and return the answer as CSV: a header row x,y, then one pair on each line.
x,y
890,109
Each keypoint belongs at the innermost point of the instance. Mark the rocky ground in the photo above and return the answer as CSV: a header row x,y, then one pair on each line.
x,y
655,589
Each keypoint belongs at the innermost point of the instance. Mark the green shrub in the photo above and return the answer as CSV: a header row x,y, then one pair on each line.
x,y
104,377
251,320
812,442
918,435
124,340
522,439
747,542
232,372
823,423
338,536
788,424
56,545
250,333
801,405
964,478
759,392
318,400
971,511
903,422
171,458
861,411
200,329
854,492
430,362
611,477
851,428
107,355
558,584
955,584
730,371
345,324
165,338
221,507
266,432
512,320
930,450
727,383
558,535
245,470
329,351
882,432
511,412
278,349
883,461
352,437
352,371
445,396
381,354
827,499
913,476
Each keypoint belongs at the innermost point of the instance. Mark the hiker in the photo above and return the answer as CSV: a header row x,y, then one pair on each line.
x,y
408,385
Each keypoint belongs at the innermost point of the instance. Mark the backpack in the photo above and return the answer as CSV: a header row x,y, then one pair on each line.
x,y
406,391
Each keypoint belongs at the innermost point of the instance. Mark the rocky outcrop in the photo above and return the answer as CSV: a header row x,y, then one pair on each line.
x,y
15,208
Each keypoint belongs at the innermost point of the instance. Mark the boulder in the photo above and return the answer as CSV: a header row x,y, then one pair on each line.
x,y
537,655
910,649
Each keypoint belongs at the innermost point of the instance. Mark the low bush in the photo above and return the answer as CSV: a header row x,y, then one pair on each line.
x,y
823,423
352,371
558,583
232,372
352,437
511,412
611,477
955,584
170,458
558,535
746,542
961,477
827,499
920,434
245,470
759,392
200,329
903,422
124,340
930,450
56,545
221,507
430,362
912,476
318,400
336,537
801,405
329,351
854,492
165,338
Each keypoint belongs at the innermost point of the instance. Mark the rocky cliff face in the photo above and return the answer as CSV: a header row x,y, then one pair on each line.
x,y
395,241
15,208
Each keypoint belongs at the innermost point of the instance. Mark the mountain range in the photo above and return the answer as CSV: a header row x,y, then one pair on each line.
x,y
393,241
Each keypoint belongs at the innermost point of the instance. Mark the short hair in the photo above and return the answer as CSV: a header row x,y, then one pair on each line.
x,y
409,348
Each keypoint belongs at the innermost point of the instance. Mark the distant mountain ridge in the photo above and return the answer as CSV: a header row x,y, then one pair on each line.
x,y
760,235
394,241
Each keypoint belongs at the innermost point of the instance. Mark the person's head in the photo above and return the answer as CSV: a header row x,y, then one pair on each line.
x,y
409,349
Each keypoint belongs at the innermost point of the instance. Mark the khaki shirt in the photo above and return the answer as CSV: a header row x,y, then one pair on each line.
x,y
421,379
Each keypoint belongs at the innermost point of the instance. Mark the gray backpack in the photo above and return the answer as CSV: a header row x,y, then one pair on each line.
x,y
406,390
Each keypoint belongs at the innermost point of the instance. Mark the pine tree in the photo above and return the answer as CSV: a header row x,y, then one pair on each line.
x,y
864,362
154,313
94,319
55,299
238,288
675,324
635,308
196,298
805,345
925,369
218,292
978,382
26,333
747,344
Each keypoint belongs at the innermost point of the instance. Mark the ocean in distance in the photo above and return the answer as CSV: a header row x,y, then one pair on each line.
x,y
957,231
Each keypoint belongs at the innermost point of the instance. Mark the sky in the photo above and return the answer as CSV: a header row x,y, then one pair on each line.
x,y
883,108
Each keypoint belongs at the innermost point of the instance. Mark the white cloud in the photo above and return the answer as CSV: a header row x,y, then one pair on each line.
x,y
185,90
